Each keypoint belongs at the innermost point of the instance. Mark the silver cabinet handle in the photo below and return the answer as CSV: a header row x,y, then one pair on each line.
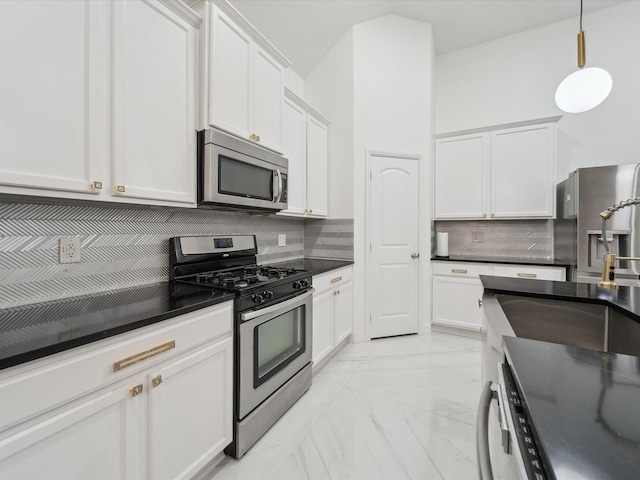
x,y
485,472
415,255
458,270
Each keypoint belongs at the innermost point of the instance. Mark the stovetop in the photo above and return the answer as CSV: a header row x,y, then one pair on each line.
x,y
229,263
248,277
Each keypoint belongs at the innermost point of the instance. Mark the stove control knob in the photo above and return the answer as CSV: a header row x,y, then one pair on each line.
x,y
258,298
297,285
268,294
304,283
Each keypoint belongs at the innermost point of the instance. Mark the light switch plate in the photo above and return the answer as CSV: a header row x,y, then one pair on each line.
x,y
282,239
477,237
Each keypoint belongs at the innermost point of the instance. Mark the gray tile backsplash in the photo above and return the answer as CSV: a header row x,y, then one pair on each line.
x,y
330,238
123,246
530,239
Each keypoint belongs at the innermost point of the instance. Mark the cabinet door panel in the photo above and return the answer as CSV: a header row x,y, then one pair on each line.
x,y
54,115
522,172
455,302
190,412
294,144
316,167
268,94
461,175
154,103
229,76
322,326
343,312
96,437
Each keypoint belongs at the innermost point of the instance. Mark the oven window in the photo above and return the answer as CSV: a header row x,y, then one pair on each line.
x,y
279,341
243,179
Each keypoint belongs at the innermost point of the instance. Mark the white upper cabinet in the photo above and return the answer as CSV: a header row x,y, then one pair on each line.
x,y
154,102
505,173
304,143
461,176
244,83
54,83
106,90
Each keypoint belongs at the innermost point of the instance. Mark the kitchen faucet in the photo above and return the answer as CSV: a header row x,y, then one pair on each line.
x,y
609,264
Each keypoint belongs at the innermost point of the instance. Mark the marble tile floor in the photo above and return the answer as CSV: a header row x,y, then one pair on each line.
x,y
394,408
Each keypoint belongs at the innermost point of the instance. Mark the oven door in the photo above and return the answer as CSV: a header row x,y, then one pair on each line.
x,y
274,344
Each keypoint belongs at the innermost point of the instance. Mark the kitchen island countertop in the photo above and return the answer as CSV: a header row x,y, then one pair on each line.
x,y
583,405
34,331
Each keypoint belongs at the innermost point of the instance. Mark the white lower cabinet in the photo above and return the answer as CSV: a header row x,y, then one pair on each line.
x,y
457,289
167,418
332,312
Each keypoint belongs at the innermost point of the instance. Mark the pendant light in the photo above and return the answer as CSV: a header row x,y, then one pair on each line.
x,y
585,89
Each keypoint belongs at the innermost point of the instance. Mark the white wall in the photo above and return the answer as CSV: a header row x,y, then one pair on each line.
x,y
329,89
514,78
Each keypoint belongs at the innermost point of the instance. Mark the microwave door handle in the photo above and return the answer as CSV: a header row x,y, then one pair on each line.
x,y
277,182
485,472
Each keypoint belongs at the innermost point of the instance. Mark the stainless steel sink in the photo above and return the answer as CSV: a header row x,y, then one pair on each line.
x,y
586,325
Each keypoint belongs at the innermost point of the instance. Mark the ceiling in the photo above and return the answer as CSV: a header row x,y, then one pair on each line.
x,y
305,30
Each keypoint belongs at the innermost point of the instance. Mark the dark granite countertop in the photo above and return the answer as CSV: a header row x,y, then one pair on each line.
x,y
505,260
624,299
37,330
315,265
583,405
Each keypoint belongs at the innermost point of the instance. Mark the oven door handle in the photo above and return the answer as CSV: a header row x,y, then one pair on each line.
x,y
283,306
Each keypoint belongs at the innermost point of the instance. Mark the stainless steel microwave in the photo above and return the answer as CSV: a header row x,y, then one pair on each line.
x,y
235,173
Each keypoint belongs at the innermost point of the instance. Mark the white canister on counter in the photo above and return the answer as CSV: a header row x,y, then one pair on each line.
x,y
442,244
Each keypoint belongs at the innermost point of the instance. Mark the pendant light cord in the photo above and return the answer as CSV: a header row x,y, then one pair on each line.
x,y
580,15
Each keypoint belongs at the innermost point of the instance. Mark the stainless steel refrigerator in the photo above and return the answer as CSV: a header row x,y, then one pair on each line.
x,y
578,226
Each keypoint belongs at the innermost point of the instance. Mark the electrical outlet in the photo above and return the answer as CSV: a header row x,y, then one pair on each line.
x,y
282,239
477,237
70,250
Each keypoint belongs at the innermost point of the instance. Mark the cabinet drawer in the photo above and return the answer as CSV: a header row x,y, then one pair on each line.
x,y
35,387
472,270
529,271
331,279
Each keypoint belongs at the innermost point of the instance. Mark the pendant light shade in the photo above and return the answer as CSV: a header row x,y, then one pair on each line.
x,y
585,89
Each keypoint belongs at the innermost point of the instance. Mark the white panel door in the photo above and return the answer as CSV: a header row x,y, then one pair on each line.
x,y
229,76
456,302
294,145
54,116
154,103
523,172
268,93
190,411
316,167
343,312
322,326
461,176
94,437
392,276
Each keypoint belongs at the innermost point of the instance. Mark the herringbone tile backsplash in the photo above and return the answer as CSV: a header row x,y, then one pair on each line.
x,y
120,246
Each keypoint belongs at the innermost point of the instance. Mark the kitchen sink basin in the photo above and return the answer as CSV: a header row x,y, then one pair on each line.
x,y
586,325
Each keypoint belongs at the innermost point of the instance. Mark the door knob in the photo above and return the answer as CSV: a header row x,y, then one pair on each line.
x,y
415,255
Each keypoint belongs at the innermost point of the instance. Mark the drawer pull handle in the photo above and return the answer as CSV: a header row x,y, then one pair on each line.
x,y
528,275
139,357
155,381
458,270
334,280
135,391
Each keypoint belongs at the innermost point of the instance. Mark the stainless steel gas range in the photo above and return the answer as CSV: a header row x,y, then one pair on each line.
x,y
273,327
